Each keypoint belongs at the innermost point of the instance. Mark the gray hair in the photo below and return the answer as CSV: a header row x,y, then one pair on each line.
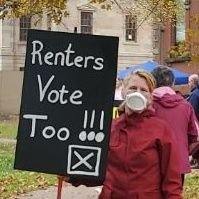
x,y
163,76
194,78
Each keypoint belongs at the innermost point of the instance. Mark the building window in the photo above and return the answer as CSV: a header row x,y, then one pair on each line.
x,y
87,22
25,24
131,28
180,31
156,44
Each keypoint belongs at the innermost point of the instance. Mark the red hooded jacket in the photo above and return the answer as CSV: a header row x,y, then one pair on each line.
x,y
180,115
142,160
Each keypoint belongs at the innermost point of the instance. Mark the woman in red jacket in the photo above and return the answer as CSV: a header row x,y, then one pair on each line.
x,y
142,160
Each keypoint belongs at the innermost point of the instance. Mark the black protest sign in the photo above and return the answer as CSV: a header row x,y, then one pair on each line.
x,y
66,107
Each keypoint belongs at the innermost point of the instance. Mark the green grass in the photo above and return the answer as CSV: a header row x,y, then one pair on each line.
x,y
14,182
8,129
6,159
192,186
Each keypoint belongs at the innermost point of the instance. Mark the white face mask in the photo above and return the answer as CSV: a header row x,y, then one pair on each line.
x,y
136,101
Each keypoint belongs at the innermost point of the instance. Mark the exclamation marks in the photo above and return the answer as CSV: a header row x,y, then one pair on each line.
x,y
82,135
102,121
98,137
92,119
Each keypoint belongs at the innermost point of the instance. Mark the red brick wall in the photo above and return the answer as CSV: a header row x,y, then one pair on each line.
x,y
168,40
188,67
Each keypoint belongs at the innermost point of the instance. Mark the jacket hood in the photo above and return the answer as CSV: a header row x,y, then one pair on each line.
x,y
168,101
166,97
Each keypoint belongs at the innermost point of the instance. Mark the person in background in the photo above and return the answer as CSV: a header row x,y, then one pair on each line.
x,y
142,158
193,98
118,99
194,151
174,109
118,90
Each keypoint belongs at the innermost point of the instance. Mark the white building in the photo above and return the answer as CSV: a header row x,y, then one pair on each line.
x,y
135,45
135,41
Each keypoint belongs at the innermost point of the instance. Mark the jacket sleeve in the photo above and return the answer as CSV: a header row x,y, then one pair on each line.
x,y
194,101
169,166
192,127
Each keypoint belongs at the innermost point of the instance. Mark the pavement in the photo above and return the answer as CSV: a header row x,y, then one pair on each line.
x,y
68,192
7,141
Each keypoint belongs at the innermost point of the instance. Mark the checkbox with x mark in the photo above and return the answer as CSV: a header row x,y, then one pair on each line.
x,y
83,160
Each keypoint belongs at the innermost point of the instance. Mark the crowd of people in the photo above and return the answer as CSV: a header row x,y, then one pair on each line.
x,y
181,114
152,138
165,80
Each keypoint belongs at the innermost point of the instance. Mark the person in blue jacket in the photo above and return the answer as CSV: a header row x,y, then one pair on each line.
x,y
193,98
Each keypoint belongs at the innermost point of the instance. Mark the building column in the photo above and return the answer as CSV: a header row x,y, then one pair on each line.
x,y
7,45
